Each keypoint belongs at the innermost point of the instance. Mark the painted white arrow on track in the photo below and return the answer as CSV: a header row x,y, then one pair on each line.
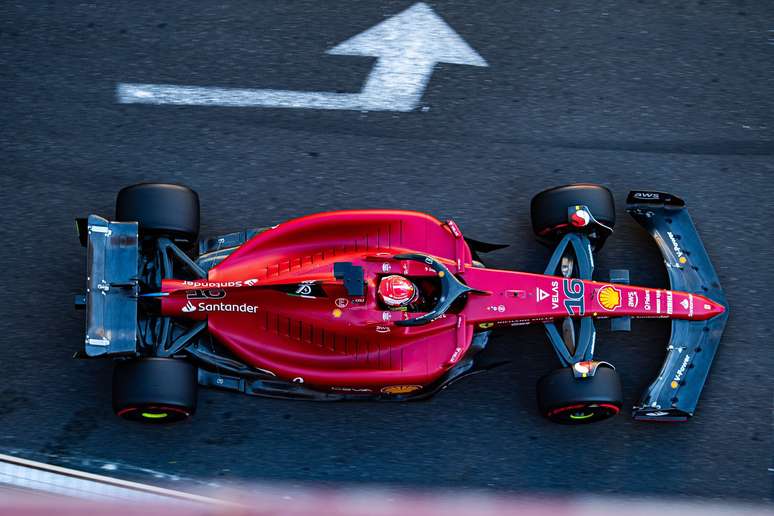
x,y
407,46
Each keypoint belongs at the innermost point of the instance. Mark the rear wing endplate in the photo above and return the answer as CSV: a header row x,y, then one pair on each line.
x,y
673,395
111,287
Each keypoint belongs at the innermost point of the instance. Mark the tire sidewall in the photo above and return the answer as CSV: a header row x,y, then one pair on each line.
x,y
548,209
154,385
161,209
559,393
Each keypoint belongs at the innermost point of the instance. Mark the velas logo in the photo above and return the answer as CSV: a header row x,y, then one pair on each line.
x,y
609,297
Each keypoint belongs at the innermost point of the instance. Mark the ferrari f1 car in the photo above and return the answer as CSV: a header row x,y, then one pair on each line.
x,y
381,304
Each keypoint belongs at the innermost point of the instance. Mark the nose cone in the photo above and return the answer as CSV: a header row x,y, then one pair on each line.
x,y
707,308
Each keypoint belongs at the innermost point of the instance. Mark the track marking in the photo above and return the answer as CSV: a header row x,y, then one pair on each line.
x,y
39,476
407,47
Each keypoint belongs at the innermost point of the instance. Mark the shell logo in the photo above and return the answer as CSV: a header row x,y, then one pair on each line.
x,y
609,297
400,389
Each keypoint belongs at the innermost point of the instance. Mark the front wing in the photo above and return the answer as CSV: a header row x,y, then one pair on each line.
x,y
673,395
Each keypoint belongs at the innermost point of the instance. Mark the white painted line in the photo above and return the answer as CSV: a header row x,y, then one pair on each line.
x,y
408,46
38,476
232,97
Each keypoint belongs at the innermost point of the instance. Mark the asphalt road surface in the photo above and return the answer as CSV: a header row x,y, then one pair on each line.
x,y
675,96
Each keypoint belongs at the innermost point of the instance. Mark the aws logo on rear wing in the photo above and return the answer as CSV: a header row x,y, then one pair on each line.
x,y
646,196
654,198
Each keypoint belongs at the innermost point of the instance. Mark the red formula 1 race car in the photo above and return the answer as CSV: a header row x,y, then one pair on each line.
x,y
380,304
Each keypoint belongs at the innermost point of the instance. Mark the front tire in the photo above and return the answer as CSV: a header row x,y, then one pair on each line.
x,y
564,399
154,390
548,210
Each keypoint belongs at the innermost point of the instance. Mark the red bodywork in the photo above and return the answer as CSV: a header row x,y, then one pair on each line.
x,y
340,342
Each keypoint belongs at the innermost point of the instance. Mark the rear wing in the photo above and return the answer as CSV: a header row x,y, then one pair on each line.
x,y
673,395
111,286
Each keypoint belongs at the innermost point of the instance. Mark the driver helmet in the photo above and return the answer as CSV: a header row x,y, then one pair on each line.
x,y
397,291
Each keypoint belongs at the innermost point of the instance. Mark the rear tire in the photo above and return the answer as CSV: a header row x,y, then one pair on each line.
x,y
154,390
562,398
161,210
548,209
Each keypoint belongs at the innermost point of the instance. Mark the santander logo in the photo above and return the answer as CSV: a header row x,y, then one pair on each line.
x,y
219,307
220,284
